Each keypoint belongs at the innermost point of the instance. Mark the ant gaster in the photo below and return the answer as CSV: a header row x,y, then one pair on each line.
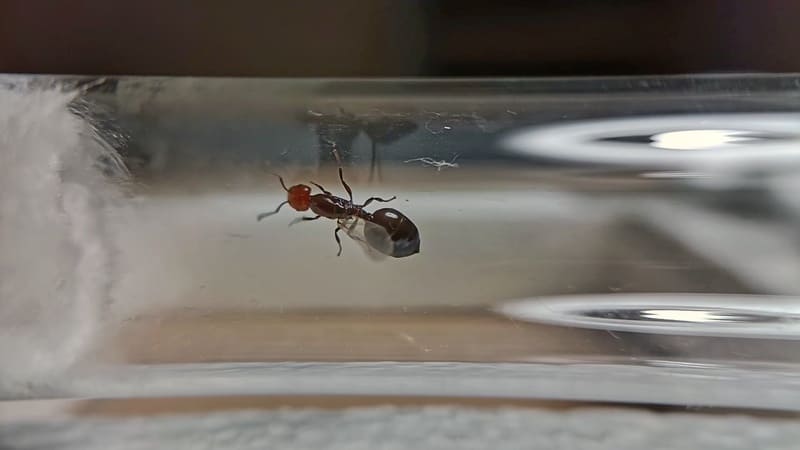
x,y
387,230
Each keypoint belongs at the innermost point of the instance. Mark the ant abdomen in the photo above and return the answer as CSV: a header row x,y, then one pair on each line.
x,y
392,233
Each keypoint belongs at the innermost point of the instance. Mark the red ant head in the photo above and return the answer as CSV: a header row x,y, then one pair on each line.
x,y
299,197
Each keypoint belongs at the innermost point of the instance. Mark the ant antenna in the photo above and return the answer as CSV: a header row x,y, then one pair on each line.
x,y
281,180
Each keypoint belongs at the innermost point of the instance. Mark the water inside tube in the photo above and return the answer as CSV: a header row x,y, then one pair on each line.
x,y
587,233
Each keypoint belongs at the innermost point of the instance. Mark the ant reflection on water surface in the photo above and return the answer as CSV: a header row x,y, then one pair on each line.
x,y
386,230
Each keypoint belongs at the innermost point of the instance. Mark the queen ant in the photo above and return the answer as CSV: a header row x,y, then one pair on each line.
x,y
387,230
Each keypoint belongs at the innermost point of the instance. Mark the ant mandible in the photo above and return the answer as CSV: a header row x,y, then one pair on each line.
x,y
389,231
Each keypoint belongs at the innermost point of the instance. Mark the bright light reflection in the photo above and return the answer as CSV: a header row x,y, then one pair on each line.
x,y
683,315
698,139
674,174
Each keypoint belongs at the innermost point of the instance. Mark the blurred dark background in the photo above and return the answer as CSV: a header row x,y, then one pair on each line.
x,y
398,38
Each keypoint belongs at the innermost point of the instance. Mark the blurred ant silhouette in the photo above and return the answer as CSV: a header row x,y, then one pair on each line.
x,y
343,129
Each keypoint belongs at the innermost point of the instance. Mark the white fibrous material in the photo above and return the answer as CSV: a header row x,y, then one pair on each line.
x,y
55,260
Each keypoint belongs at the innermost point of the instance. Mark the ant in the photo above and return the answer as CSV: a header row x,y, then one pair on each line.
x,y
387,230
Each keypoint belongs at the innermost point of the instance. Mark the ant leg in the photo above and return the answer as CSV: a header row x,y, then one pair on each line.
x,y
346,187
338,241
302,219
341,174
264,215
348,228
378,199
321,188
280,178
